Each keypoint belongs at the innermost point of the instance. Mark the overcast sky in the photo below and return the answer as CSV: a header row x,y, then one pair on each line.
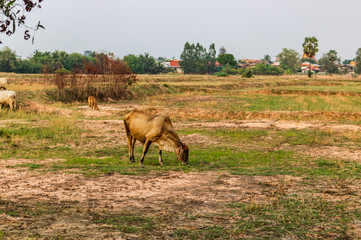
x,y
246,28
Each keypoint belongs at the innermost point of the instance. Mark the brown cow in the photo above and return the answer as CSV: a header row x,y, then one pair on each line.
x,y
158,129
92,101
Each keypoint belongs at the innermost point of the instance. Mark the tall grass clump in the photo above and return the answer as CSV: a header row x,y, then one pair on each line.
x,y
105,77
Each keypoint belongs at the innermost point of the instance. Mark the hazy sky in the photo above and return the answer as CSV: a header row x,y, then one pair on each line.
x,y
246,28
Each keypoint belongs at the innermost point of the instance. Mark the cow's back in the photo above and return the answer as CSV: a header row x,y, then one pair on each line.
x,y
143,125
6,95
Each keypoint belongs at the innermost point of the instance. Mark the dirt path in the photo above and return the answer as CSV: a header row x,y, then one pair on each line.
x,y
168,194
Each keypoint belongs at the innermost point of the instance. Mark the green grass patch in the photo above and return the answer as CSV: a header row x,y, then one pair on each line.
x,y
207,232
127,223
303,218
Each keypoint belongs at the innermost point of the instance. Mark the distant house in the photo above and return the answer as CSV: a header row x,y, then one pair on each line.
x,y
346,68
174,64
305,67
276,63
249,63
253,62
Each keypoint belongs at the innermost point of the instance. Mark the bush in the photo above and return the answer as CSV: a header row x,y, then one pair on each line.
x,y
264,69
247,73
104,78
289,71
232,71
220,74
309,74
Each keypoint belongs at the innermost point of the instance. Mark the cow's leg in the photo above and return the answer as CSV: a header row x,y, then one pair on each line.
x,y
145,150
12,105
160,157
131,143
131,156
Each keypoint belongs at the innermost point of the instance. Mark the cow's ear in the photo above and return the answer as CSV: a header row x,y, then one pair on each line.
x,y
180,142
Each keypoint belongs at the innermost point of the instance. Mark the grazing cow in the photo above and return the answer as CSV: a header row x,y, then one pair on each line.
x,y
158,129
3,83
9,98
92,101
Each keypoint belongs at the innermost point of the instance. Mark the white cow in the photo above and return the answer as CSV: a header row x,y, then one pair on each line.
x,y
9,98
3,83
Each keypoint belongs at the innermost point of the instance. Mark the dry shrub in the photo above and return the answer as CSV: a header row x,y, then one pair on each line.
x,y
106,77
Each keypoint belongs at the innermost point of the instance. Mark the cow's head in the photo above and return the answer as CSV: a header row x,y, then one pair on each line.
x,y
183,153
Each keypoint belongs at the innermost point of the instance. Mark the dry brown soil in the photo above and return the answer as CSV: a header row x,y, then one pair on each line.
x,y
80,200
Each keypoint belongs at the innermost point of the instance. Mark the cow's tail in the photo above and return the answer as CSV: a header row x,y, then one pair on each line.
x,y
127,130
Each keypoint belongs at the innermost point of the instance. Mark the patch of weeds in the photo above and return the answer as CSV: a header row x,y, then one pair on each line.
x,y
127,223
208,232
307,137
209,159
310,218
334,169
31,166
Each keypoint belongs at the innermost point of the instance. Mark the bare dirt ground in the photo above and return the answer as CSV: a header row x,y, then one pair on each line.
x,y
158,194
166,193
80,201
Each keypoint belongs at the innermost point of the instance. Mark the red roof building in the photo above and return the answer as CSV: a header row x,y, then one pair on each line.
x,y
174,63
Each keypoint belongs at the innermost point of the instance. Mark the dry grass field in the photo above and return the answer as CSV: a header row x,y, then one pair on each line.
x,y
270,158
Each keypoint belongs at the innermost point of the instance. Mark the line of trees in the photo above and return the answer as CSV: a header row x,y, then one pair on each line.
x,y
144,64
43,61
50,62
196,59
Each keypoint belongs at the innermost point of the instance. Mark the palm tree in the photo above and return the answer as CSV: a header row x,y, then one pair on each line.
x,y
310,46
332,56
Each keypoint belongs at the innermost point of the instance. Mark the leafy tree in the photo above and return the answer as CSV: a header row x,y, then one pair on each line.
x,y
201,59
74,61
149,64
227,60
29,66
347,61
8,60
327,65
267,59
88,53
161,59
133,62
310,46
289,59
212,58
358,60
188,63
195,59
143,64
14,15
222,50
